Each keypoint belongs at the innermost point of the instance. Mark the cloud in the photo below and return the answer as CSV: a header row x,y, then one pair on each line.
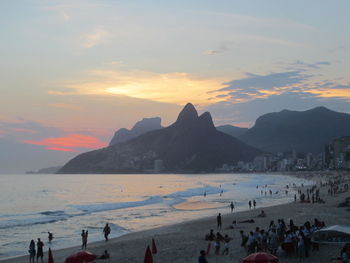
x,y
174,87
223,48
69,143
260,86
303,66
94,38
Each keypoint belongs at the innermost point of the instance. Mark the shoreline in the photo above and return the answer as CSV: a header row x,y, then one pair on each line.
x,y
182,241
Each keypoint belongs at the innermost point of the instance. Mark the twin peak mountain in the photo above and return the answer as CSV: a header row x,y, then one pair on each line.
x,y
190,144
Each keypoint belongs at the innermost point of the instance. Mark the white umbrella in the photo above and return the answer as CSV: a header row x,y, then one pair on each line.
x,y
337,234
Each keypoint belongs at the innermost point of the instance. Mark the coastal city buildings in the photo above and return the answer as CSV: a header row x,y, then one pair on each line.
x,y
336,156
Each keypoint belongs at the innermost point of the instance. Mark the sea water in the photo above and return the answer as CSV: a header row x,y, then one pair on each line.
x,y
33,204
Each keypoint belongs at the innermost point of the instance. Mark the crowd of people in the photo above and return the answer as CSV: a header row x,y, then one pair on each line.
x,y
281,238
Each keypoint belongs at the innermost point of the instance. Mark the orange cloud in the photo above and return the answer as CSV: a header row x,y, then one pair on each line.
x,y
69,143
331,93
176,87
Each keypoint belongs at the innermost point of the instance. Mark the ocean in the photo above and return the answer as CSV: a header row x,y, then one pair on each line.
x,y
33,204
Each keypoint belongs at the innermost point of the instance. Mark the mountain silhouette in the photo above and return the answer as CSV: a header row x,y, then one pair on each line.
x,y
303,131
191,144
141,127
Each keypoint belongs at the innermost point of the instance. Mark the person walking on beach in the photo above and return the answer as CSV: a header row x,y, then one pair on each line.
x,y
218,221
250,204
254,203
32,251
84,237
40,252
106,231
232,206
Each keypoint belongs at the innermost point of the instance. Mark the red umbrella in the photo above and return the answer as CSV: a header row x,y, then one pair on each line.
x,y
260,257
148,256
154,247
50,260
81,257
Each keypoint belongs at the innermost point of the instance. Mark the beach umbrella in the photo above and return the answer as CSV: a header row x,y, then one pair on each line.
x,y
154,247
260,257
81,257
50,260
148,256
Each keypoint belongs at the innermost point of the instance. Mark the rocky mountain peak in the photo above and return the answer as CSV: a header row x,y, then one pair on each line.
x,y
188,113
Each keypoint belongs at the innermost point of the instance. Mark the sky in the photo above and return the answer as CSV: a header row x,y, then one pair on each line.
x,y
74,72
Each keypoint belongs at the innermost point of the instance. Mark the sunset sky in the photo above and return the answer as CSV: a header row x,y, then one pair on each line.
x,y
73,72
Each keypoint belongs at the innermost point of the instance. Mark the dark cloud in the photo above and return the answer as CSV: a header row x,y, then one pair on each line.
x,y
253,85
255,82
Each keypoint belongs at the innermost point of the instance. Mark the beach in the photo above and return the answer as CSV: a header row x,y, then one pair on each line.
x,y
181,242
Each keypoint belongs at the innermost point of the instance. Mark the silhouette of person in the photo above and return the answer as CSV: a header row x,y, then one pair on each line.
x,y
50,237
32,251
218,221
84,237
106,231
250,204
232,206
40,252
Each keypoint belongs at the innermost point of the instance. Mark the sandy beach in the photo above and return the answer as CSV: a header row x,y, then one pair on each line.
x,y
182,242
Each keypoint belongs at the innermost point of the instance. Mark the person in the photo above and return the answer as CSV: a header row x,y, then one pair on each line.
x,y
217,246
218,221
32,251
250,204
262,214
106,231
226,245
105,255
254,203
210,236
244,240
40,252
201,258
84,237
232,206
50,237
301,245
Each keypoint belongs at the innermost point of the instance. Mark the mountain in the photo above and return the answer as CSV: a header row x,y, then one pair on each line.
x,y
191,144
143,126
232,130
303,131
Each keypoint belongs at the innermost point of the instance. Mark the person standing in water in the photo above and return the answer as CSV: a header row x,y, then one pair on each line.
x,y
254,203
232,206
106,231
250,204
32,251
50,237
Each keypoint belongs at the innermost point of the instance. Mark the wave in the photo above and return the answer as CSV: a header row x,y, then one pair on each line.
x,y
91,208
28,221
